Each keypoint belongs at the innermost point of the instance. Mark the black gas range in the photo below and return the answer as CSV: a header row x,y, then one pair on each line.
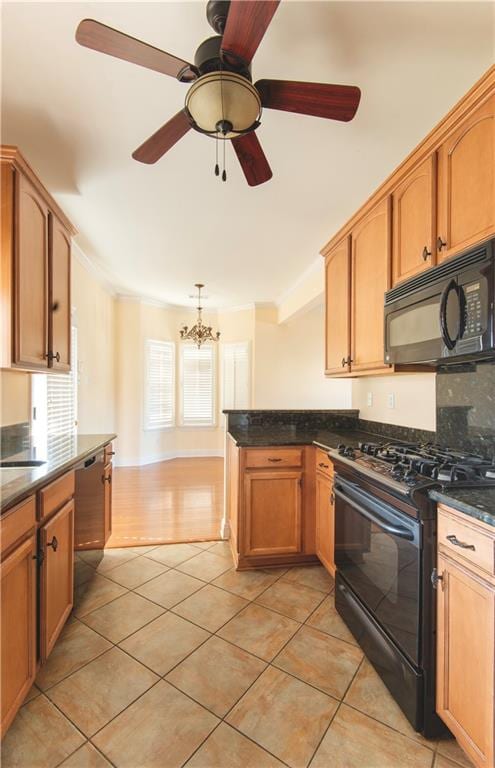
x,y
385,555
409,468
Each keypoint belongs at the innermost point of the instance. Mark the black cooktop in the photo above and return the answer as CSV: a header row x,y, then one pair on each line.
x,y
411,465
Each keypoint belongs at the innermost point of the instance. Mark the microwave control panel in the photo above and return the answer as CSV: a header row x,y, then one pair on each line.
x,y
474,311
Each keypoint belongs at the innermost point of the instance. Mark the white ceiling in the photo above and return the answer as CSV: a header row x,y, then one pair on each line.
x,y
156,230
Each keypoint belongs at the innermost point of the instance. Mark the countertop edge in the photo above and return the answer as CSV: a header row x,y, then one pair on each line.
x,y
462,506
11,501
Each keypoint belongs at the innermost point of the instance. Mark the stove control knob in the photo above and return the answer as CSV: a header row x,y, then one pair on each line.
x,y
349,452
341,448
397,472
410,476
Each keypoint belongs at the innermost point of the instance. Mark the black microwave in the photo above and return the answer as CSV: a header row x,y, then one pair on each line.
x,y
445,314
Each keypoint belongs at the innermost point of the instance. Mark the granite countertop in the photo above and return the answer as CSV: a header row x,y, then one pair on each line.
x,y
261,437
60,454
478,503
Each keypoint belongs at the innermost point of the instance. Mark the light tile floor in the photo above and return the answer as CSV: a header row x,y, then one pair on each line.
x,y
172,658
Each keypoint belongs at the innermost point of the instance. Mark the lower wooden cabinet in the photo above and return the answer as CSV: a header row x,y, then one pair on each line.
x,y
270,497
107,482
18,613
325,521
466,641
272,513
56,577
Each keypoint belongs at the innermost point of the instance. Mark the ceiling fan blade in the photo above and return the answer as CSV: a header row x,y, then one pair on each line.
x,y
165,138
252,159
101,38
335,102
247,22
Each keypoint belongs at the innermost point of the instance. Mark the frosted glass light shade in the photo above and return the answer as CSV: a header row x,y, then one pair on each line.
x,y
223,96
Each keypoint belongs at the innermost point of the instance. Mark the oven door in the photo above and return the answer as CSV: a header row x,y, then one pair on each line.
x,y
378,552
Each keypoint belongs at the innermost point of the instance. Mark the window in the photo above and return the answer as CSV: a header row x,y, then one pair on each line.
x,y
236,375
159,406
197,385
54,404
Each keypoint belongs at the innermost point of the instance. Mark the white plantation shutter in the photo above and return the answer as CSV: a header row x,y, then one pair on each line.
x,y
61,396
54,407
198,385
235,375
160,384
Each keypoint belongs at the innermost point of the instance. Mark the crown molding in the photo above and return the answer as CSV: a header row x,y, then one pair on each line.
x,y
95,271
315,266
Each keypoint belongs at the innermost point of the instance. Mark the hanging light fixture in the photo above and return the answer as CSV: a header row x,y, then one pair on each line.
x,y
199,333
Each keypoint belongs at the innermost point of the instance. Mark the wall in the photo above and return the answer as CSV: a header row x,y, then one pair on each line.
x,y
414,399
93,308
15,397
289,363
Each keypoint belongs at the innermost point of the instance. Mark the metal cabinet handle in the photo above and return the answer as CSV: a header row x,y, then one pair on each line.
x,y
426,254
273,460
53,543
343,362
441,243
322,464
107,479
349,360
332,498
53,356
455,541
435,578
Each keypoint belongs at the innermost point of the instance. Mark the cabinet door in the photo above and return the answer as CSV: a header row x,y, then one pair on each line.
x,y
59,317
370,278
466,192
325,535
337,308
18,611
414,222
30,278
465,659
107,481
56,594
272,513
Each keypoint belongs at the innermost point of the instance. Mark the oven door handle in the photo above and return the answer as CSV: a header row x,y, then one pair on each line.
x,y
395,530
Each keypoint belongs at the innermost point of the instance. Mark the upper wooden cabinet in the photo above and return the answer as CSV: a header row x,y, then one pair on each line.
x,y
466,182
442,202
337,307
370,278
414,222
35,269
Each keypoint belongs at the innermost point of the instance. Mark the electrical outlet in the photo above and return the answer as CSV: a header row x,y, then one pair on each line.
x,y
391,400
369,399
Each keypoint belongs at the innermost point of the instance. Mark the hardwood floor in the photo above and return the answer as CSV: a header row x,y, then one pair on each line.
x,y
172,501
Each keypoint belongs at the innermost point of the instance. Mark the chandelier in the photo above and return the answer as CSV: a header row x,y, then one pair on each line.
x,y
199,333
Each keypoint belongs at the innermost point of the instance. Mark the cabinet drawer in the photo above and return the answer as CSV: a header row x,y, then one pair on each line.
x,y
272,458
465,541
17,522
323,463
52,496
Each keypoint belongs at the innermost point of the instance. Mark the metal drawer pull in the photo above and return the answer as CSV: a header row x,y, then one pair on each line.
x,y
274,460
436,578
53,543
321,464
455,541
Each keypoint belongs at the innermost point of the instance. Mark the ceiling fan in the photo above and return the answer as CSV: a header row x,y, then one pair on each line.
x,y
222,101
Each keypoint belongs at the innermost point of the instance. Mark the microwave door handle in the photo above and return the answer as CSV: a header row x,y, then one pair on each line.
x,y
447,340
395,530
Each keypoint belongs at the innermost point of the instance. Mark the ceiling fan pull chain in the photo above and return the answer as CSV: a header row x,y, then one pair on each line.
x,y
224,174
217,167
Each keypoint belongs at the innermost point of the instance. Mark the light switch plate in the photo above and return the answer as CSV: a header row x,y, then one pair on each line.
x,y
391,400
369,399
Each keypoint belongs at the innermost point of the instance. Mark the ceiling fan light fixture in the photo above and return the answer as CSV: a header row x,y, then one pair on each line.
x,y
220,98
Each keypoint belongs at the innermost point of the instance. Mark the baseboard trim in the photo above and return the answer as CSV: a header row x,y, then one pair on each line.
x,y
181,453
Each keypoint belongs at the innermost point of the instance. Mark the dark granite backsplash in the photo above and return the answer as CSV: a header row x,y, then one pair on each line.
x,y
307,420
330,420
466,407
13,439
